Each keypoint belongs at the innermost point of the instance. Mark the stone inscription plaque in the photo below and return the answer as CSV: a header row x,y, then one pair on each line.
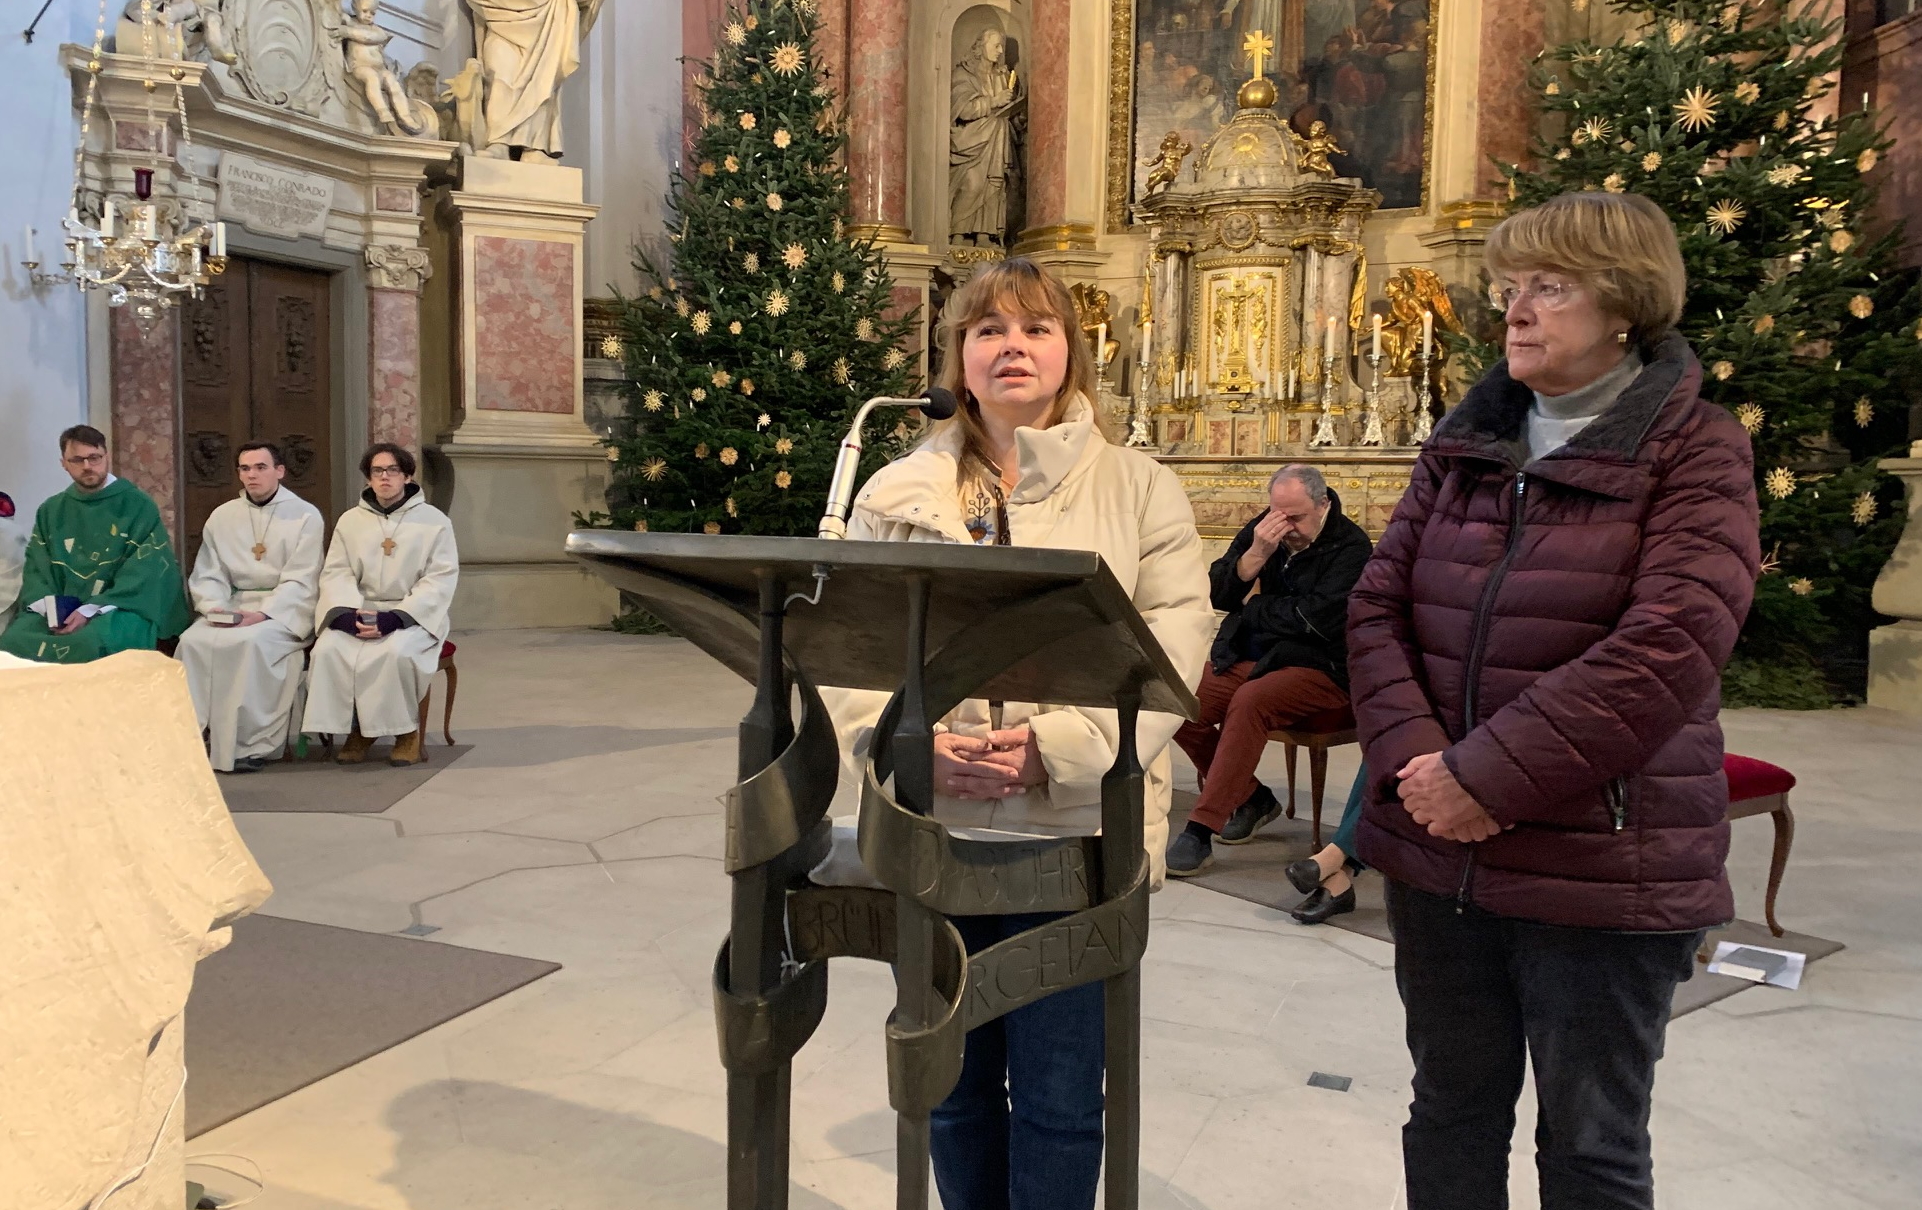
x,y
273,200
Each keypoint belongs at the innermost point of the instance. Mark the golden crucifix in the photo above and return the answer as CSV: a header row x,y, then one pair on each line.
x,y
386,546
1258,46
260,551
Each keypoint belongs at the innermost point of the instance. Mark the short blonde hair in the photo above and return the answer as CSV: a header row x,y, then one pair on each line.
x,y
1619,245
1016,286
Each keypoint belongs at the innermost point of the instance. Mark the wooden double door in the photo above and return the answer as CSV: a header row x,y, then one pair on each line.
x,y
256,361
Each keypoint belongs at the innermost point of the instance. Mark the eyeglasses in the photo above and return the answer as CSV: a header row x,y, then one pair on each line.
x,y
1547,295
86,460
385,472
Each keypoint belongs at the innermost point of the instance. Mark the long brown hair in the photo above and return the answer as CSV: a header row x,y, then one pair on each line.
x,y
1016,286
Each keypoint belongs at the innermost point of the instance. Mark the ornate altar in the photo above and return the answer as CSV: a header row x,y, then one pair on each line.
x,y
1254,310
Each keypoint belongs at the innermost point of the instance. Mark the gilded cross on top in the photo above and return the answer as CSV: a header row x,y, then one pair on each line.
x,y
1258,46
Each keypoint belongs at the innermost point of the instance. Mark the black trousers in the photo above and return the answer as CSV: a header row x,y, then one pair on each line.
x,y
1588,1007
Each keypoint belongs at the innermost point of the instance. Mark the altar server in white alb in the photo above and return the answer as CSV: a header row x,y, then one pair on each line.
x,y
253,587
384,599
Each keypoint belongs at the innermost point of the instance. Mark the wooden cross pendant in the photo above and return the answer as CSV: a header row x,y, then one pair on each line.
x,y
386,546
260,551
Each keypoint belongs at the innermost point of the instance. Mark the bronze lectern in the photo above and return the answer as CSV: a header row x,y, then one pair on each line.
x,y
934,624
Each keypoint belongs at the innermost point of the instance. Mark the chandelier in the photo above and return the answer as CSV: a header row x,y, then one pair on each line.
x,y
147,254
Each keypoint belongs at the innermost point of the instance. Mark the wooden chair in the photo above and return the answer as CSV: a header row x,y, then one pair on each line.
x,y
427,699
1755,787
1317,733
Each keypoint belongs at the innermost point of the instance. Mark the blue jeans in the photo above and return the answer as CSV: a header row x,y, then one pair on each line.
x,y
1344,838
1045,1061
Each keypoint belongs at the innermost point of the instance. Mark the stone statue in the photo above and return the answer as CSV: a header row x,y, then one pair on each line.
x,y
526,48
1167,165
1312,152
981,144
364,46
176,24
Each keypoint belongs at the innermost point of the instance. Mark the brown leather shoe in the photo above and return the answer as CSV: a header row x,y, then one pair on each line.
x,y
406,750
355,749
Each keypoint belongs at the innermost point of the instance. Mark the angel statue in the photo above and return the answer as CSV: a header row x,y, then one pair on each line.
x,y
1312,151
1174,149
1412,292
1091,307
364,46
175,24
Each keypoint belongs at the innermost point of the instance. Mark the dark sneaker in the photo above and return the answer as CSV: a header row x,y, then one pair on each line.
x,y
1251,816
250,764
1189,855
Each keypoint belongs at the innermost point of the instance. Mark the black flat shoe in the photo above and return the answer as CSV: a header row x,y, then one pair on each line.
x,y
1305,875
1320,906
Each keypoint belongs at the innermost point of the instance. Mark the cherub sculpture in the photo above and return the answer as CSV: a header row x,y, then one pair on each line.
x,y
1174,149
364,45
175,24
1410,293
1312,151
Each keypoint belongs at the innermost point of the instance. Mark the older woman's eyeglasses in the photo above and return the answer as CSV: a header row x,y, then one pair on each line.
x,y
1548,295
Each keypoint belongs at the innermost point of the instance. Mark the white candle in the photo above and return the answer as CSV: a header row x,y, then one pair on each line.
x,y
1328,342
149,228
1376,350
1101,342
106,220
1427,334
220,239
1291,383
1147,339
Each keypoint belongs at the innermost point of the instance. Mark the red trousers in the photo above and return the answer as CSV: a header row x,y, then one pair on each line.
x,y
1236,716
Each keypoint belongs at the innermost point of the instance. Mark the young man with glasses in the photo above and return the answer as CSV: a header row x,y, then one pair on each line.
x,y
100,574
385,593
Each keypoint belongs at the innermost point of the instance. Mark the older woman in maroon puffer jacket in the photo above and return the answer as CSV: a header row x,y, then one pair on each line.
x,y
1535,652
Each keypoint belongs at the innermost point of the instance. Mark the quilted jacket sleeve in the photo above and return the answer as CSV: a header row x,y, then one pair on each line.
x,y
1602,715
1394,716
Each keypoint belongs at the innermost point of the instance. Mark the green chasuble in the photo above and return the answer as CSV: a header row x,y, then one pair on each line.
x,y
107,548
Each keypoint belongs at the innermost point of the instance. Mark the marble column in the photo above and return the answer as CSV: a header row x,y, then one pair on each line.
x,y
877,118
1048,116
144,368
1504,104
699,20
1064,168
395,274
831,45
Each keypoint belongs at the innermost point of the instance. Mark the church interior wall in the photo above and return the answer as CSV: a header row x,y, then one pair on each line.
x,y
43,342
622,115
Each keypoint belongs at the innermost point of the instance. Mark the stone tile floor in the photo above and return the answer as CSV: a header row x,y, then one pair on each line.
x,y
583,828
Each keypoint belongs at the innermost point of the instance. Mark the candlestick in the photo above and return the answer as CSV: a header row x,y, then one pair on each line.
x,y
1325,423
1427,334
1371,429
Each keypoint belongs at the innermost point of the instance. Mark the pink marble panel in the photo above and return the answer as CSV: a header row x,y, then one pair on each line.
x,y
393,367
525,325
1505,105
144,362
1221,438
1175,430
1248,436
877,110
395,199
1047,81
138,136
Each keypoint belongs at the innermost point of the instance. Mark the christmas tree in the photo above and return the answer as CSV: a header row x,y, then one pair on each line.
x,y
1804,321
747,358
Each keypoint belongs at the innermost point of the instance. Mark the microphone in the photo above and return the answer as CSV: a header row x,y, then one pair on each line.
x,y
936,403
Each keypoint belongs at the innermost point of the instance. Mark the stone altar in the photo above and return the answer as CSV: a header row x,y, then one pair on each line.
x,y
1255,301
1895,650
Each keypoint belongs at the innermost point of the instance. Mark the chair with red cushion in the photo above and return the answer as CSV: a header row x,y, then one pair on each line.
x,y
427,699
1756,787
1317,733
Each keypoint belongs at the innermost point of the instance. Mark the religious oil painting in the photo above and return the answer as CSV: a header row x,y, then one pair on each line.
x,y
1361,66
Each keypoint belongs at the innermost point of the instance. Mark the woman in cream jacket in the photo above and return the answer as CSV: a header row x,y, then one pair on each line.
x,y
1024,462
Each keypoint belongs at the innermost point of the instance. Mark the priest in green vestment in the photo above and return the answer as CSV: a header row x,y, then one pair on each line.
x,y
100,574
